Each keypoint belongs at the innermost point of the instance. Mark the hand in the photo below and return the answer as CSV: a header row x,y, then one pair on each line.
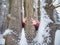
x,y
33,21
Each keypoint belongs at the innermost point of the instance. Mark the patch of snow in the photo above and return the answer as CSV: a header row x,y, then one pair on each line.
x,y
58,10
57,15
7,31
43,3
2,40
57,38
35,4
23,40
56,2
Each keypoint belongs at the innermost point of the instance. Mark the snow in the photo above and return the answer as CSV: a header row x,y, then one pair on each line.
x,y
4,6
45,20
22,8
42,3
58,10
56,3
7,31
57,15
57,38
2,40
23,40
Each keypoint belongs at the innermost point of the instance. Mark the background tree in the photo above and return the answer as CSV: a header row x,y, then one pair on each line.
x,y
14,22
4,4
50,9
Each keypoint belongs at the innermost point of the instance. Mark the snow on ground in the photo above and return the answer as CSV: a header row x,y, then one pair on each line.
x,y
57,37
45,20
23,40
2,40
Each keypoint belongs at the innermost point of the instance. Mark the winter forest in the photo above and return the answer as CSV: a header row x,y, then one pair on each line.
x,y
29,22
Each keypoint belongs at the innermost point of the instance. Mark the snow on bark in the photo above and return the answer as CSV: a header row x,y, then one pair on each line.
x,y
56,3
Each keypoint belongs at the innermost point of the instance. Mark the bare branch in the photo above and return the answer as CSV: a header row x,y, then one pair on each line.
x,y
55,5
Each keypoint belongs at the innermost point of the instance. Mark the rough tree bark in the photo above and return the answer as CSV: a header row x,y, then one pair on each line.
x,y
29,28
14,23
49,9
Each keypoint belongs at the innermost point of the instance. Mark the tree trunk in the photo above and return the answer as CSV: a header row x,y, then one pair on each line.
x,y
14,23
29,28
38,10
49,9
3,14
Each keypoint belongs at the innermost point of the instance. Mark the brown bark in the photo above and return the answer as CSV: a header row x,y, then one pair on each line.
x,y
38,10
14,23
29,28
49,9
16,13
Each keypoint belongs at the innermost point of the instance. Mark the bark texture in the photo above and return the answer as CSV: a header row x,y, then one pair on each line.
x,y
29,28
14,23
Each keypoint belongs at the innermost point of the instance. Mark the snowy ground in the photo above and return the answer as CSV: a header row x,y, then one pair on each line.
x,y
57,37
23,40
2,40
